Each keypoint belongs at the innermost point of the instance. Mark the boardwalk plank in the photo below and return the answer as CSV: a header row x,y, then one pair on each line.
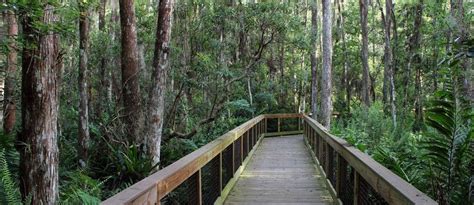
x,y
281,172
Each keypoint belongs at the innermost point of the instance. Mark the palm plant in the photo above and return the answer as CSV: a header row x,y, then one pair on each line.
x,y
448,147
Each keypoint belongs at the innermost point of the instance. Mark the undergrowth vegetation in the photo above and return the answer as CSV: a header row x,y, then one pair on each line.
x,y
438,160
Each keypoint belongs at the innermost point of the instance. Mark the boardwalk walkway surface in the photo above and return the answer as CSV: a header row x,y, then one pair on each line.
x,y
280,172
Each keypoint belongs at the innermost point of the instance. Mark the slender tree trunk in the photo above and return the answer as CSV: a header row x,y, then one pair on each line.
x,y
389,85
130,72
9,105
249,87
326,84
104,76
158,79
114,89
416,61
363,5
83,138
282,95
41,64
314,60
345,79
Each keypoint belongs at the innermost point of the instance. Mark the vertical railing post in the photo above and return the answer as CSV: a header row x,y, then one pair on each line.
x,y
340,172
197,188
327,155
255,134
320,150
233,158
356,187
298,123
266,125
249,141
221,185
241,149
279,124
304,129
199,184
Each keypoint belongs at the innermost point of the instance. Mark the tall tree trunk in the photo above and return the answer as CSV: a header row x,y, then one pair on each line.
x,y
326,84
158,79
83,138
41,64
130,72
345,79
363,5
388,83
114,89
415,42
104,97
459,36
9,105
314,59
282,95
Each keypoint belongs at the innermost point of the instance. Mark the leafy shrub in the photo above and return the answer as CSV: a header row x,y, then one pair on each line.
x,y
78,188
367,129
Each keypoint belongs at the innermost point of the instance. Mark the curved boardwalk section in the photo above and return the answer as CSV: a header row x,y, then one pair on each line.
x,y
280,172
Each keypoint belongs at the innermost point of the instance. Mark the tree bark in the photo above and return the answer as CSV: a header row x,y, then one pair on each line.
x,y
363,5
37,142
282,95
415,41
345,79
459,36
130,72
158,86
83,138
389,85
9,105
326,84
104,97
314,59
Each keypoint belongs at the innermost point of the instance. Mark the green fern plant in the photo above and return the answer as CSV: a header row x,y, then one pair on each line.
x,y
78,188
9,192
447,147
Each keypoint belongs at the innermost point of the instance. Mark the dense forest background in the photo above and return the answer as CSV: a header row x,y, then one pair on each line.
x,y
99,94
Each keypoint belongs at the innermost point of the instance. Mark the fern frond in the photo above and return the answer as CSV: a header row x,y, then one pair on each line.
x,y
9,188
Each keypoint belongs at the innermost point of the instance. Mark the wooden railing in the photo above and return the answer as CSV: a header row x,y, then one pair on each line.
x,y
353,176
206,175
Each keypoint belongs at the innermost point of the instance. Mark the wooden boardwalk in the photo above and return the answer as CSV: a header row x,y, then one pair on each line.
x,y
280,172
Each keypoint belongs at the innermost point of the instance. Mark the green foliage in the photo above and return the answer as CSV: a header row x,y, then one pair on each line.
x,y
241,107
448,148
177,148
119,165
202,63
367,129
78,188
9,192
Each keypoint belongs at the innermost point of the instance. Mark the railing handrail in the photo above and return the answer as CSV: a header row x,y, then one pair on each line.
x,y
390,186
168,178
